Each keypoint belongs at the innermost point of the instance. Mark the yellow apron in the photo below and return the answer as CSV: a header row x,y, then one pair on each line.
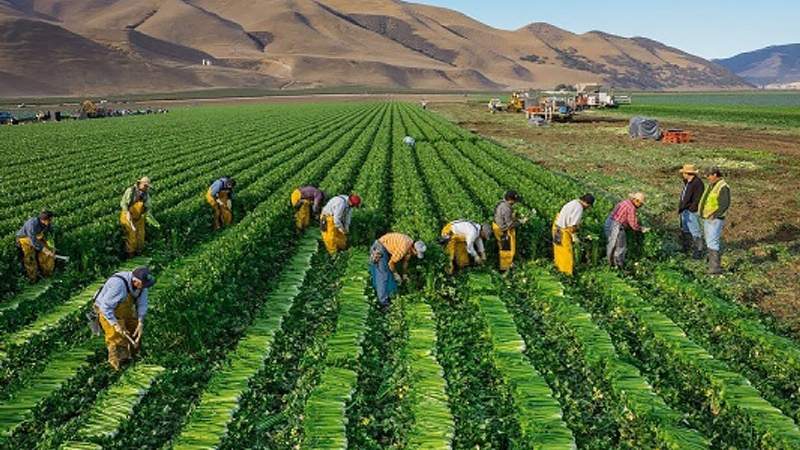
x,y
222,215
134,240
456,250
36,263
506,256
302,217
334,239
563,254
120,348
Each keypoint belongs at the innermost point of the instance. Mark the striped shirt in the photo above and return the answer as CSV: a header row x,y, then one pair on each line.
x,y
625,214
399,246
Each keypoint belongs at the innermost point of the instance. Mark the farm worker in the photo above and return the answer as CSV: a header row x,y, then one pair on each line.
x,y
219,196
121,305
713,206
463,241
409,141
307,200
335,221
505,229
385,253
565,227
37,255
691,236
624,216
135,205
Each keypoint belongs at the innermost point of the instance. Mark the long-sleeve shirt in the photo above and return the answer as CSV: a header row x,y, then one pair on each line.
x,y
313,194
571,215
31,229
399,246
115,291
219,186
131,195
339,208
504,216
691,194
471,232
625,214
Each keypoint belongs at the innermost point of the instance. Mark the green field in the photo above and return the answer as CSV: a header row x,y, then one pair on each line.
x,y
256,338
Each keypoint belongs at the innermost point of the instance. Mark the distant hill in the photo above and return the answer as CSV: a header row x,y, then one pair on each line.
x,y
775,65
83,47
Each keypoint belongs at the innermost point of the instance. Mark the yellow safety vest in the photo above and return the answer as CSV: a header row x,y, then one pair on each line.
x,y
709,204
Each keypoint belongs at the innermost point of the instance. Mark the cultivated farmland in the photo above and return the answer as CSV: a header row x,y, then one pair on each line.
x,y
256,338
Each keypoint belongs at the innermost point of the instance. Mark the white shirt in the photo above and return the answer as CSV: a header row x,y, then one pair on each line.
x,y
570,215
339,208
471,232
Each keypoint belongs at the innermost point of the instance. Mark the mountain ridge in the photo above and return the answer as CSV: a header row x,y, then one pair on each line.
x,y
158,45
769,66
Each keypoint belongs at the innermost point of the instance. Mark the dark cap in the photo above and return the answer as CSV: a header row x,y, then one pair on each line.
x,y
46,214
143,274
715,171
511,195
588,199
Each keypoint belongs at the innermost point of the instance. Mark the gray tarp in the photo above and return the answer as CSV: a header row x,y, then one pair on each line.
x,y
644,128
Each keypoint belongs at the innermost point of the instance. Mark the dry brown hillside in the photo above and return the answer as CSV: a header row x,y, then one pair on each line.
x,y
102,46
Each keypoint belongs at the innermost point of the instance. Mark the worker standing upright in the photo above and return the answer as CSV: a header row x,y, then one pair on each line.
x,y
505,229
463,241
37,255
385,253
135,205
307,201
565,227
691,235
121,306
623,216
220,197
335,221
714,205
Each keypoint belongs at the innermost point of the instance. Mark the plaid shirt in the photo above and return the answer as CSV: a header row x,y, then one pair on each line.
x,y
399,247
625,214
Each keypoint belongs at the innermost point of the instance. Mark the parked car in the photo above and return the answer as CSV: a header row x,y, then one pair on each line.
x,y
6,117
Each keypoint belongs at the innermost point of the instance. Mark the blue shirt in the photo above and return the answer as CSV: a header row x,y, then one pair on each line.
x,y
114,292
30,229
220,185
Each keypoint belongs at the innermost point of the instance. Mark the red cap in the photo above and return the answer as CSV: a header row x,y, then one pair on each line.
x,y
355,200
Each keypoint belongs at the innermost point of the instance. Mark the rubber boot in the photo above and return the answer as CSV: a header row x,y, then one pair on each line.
x,y
686,242
699,246
714,262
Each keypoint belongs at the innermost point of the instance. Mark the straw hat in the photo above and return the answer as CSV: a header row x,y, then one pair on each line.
x,y
145,181
637,196
691,169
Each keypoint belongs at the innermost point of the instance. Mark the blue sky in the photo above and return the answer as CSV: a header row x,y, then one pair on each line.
x,y
707,28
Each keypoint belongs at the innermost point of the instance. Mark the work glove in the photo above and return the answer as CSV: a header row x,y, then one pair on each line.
x,y
229,204
645,229
575,239
342,230
137,334
130,221
48,252
118,328
480,260
406,278
397,278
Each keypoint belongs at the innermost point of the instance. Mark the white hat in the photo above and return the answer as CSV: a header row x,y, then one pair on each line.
x,y
420,248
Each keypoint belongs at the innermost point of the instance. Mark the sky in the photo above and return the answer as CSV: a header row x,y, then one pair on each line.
x,y
707,28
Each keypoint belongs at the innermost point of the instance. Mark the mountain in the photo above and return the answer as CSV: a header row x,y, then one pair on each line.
x,y
83,47
776,65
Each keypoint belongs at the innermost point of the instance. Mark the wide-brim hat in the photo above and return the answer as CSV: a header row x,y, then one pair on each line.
x,y
638,196
690,169
145,181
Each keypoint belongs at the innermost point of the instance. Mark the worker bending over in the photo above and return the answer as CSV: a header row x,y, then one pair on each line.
x,y
463,242
409,141
691,235
505,229
135,205
307,201
121,305
624,216
713,206
565,227
335,221
385,253
220,196
38,257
